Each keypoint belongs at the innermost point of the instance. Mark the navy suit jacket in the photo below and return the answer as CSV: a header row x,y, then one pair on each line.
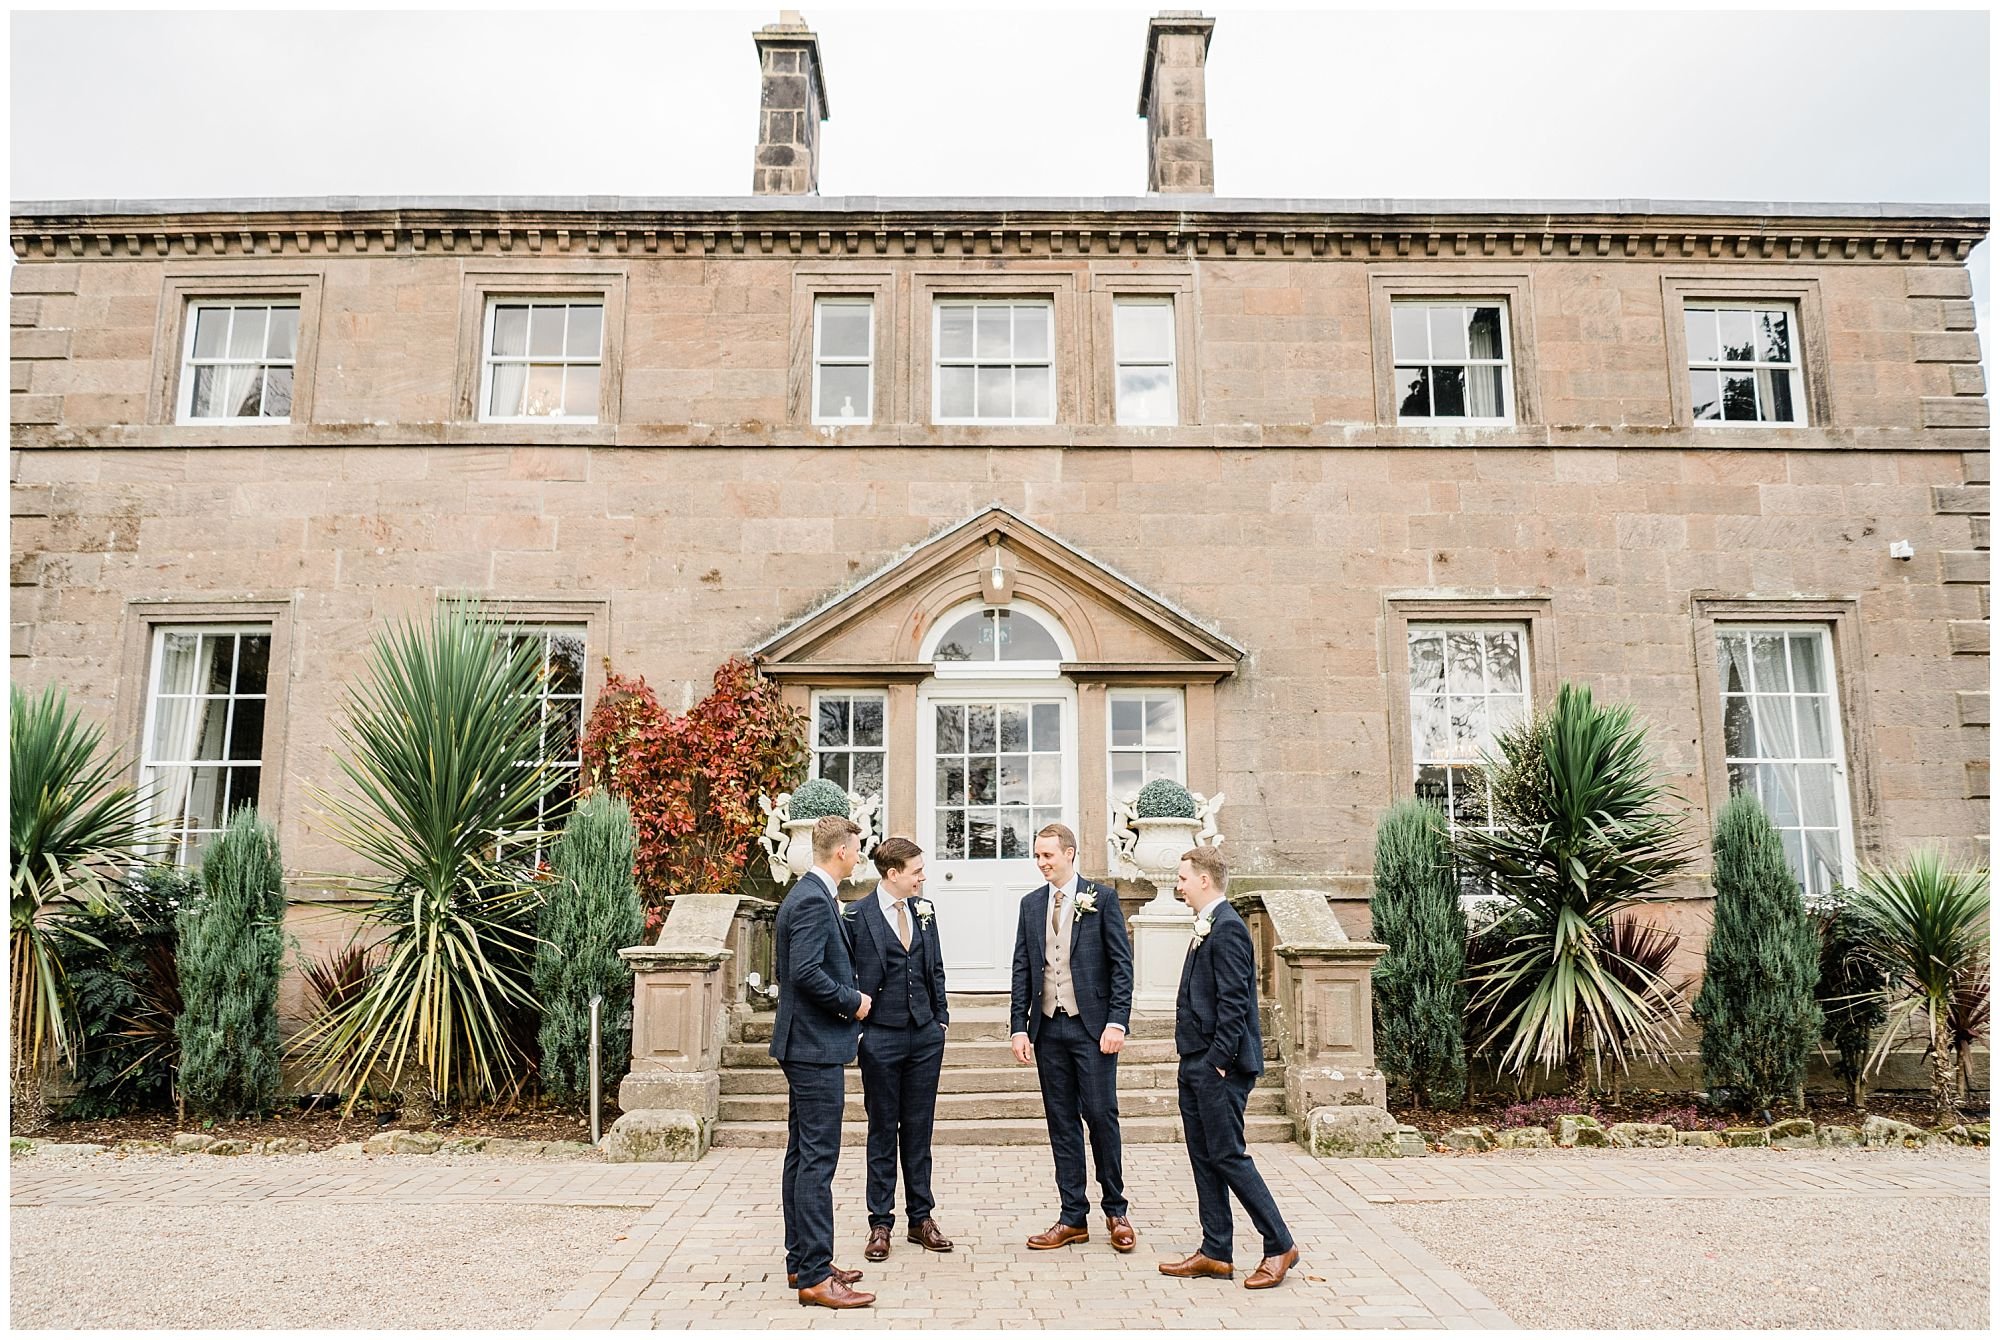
x,y
817,994
1100,961
871,937
1215,1015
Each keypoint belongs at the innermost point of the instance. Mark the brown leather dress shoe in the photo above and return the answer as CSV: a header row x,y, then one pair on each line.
x,y
844,1276
878,1243
1270,1272
830,1292
927,1236
1123,1236
1061,1235
1197,1266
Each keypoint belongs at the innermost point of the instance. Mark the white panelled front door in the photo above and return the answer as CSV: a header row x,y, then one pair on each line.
x,y
995,763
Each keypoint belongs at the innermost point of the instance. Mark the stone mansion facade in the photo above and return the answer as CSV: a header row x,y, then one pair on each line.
x,y
1030,500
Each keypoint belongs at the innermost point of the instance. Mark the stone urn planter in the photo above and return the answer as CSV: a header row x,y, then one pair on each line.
x,y
1157,850
1161,822
788,826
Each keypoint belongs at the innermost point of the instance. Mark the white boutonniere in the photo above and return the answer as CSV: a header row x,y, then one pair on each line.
x,y
1201,929
1086,903
925,911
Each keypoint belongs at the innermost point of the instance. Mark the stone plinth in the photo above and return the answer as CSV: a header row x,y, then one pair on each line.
x,y
680,1000
1326,1027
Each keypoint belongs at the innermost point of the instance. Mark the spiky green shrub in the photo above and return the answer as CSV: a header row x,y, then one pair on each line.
x,y
589,912
1584,833
1163,798
1419,985
1849,991
442,752
1758,1018
231,949
71,823
817,799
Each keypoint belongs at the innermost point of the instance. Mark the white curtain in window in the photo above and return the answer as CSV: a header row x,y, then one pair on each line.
x,y
1482,389
186,662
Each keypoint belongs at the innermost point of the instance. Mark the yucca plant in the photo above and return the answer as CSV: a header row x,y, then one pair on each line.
x,y
442,751
1582,833
1927,924
72,824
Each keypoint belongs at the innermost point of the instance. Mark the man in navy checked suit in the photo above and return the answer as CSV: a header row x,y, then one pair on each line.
x,y
1222,1052
820,1009
1071,1007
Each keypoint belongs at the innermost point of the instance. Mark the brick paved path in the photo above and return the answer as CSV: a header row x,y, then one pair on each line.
x,y
704,1251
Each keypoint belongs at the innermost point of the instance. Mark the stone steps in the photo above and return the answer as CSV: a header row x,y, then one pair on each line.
x,y
1010,1078
1135,1130
984,1054
984,1107
985,1019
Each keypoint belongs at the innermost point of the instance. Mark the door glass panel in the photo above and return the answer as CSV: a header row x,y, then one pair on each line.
x,y
997,777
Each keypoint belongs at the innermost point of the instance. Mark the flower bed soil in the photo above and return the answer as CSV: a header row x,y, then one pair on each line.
x,y
324,1129
1646,1104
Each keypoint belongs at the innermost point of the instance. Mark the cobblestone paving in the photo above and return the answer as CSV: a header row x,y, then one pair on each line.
x,y
702,1248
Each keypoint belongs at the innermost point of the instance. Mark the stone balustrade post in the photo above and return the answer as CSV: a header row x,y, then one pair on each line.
x,y
681,996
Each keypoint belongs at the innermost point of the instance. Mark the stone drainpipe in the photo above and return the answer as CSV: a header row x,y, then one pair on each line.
x,y
681,995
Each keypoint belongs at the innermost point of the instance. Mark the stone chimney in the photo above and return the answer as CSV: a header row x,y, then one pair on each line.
x,y
1173,97
794,103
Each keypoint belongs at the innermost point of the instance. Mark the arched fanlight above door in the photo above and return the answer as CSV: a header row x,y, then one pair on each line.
x,y
1008,641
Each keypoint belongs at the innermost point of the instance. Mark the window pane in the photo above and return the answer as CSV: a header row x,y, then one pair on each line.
x,y
1412,330
1738,335
580,390
1127,775
1816,783
951,835
510,331
951,781
1127,723
283,340
996,393
1774,391
1415,384
1768,653
868,774
1504,711
1775,332
278,392
1815,741
1739,397
1735,650
1483,333
545,332
246,333
565,664
1462,653
1146,396
1165,765
1503,662
544,393
586,331
955,393
1432,785
221,661
565,730
843,330
1448,393
1031,393
993,321
1739,728
832,719
253,663
833,767
979,730
1031,333
1485,393
950,728
1705,394
1013,728
1145,332
1013,779
868,722
242,392
955,332
1823,861
843,391
1163,721
244,785
982,835
1780,786
509,380
1429,725
981,779
1468,727
1023,638
1048,728
1047,779
1447,332
1807,676
211,331
1014,842
1703,347
1426,662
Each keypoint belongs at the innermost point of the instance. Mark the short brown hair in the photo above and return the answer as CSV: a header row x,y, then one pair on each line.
x,y
1208,861
831,833
892,854
1062,835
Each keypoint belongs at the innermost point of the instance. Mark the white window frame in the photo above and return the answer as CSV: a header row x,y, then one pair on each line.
x,y
997,669
1418,759
184,407
818,750
1795,369
1505,362
1112,749
939,362
823,359
1120,362
487,359
182,842
547,630
1836,734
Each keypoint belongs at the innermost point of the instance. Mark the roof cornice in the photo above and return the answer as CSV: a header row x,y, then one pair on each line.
x,y
866,226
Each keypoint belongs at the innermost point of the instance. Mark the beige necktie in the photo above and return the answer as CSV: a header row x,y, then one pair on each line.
x,y
903,923
1055,913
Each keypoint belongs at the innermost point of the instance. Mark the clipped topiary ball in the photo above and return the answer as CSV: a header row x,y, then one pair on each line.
x,y
1162,799
819,798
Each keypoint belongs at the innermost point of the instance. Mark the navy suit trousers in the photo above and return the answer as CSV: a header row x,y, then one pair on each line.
x,y
1212,1115
1080,1088
812,1152
899,1084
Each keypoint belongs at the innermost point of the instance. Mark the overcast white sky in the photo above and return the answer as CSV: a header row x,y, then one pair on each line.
x,y
1715,104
